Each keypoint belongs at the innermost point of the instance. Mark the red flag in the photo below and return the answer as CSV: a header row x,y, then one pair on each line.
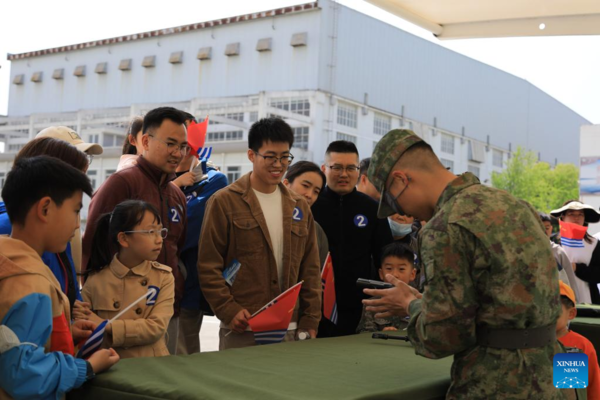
x,y
197,135
571,235
328,284
270,323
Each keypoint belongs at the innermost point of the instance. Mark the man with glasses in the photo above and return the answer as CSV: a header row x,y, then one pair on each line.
x,y
257,225
165,144
356,236
491,297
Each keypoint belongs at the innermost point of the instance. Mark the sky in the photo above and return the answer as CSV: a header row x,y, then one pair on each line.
x,y
564,67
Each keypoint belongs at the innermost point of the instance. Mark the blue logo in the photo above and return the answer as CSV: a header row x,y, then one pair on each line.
x,y
361,221
153,292
570,370
297,215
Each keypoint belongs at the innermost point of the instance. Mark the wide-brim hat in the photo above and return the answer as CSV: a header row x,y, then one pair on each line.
x,y
590,213
70,136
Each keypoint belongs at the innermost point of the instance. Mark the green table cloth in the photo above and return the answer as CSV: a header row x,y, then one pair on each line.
x,y
351,367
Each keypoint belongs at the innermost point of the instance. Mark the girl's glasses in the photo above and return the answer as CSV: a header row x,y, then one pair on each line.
x,y
153,232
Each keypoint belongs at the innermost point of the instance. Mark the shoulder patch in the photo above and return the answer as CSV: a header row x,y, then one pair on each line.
x,y
162,267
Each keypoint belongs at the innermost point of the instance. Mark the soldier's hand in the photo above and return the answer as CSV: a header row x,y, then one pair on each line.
x,y
393,301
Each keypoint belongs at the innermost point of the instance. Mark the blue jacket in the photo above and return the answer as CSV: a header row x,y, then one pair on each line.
x,y
196,197
39,362
50,259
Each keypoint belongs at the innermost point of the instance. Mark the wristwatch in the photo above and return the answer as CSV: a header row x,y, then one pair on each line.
x,y
89,373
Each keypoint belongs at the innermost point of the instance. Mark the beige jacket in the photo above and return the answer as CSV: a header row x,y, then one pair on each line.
x,y
140,332
235,228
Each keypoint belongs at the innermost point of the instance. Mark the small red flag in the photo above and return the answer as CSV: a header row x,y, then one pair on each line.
x,y
197,135
270,323
328,284
572,231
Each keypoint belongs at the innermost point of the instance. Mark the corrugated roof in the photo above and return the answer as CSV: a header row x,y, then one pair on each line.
x,y
168,31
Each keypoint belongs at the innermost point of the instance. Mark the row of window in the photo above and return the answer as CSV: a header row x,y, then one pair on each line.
x,y
476,150
297,106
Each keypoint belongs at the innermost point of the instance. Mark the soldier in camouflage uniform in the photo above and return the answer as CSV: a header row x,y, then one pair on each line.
x,y
491,297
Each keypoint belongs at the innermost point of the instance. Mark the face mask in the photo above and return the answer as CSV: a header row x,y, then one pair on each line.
x,y
399,230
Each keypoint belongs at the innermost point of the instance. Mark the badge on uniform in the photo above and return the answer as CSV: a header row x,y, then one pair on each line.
x,y
361,221
297,215
152,295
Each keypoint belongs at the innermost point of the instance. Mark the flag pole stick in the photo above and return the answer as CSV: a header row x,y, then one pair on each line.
x,y
127,308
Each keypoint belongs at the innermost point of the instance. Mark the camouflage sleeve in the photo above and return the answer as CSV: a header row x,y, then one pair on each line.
x,y
442,323
367,322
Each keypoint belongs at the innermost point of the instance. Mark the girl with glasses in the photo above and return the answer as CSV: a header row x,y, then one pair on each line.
x,y
135,232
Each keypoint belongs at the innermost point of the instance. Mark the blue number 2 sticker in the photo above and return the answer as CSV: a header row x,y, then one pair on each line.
x,y
361,221
152,295
297,215
174,215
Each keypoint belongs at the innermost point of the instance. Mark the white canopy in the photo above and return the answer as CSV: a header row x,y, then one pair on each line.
x,y
465,19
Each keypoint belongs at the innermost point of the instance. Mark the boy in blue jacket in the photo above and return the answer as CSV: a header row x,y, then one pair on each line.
x,y
43,199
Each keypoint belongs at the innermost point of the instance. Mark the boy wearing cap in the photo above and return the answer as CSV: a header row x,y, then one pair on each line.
x,y
490,297
572,339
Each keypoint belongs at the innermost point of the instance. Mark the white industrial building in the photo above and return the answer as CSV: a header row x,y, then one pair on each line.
x,y
330,71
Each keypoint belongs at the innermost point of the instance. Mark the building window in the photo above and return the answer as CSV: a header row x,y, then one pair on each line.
x,y
447,144
224,136
344,136
2,175
95,138
235,116
15,147
301,137
93,174
475,170
253,116
282,104
346,115
233,173
448,164
497,159
108,173
382,124
109,140
300,106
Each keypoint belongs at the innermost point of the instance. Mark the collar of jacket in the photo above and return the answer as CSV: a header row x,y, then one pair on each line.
x,y
333,195
460,183
121,271
243,187
154,172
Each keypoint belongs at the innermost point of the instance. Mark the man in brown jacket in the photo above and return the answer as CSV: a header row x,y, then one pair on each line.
x,y
270,231
165,143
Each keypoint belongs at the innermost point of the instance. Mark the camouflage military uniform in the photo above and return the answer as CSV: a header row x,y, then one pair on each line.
x,y
487,262
368,322
487,265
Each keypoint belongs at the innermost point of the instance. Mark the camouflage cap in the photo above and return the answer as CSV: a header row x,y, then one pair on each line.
x,y
385,155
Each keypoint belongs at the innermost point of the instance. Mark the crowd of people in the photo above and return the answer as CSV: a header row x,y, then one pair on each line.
x,y
476,273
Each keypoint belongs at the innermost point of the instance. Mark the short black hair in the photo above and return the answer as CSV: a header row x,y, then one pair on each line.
x,y
270,129
397,249
302,167
189,117
566,302
545,217
33,178
364,165
341,146
155,117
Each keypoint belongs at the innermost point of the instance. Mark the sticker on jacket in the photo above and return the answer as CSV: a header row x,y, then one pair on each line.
x,y
152,295
174,214
231,271
361,221
297,215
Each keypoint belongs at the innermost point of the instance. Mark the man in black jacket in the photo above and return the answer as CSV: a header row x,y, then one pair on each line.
x,y
356,236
